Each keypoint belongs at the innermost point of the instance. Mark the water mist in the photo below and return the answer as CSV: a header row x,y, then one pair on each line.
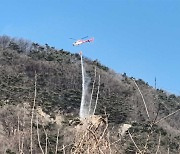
x,y
84,108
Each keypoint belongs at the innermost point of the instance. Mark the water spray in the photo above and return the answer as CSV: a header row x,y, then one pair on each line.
x,y
83,108
86,105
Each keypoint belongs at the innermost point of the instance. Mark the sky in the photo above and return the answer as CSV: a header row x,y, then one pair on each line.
x,y
138,37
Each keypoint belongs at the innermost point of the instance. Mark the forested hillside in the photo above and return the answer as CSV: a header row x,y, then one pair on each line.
x,y
47,81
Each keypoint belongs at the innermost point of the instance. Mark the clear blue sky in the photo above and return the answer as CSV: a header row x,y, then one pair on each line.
x,y
139,37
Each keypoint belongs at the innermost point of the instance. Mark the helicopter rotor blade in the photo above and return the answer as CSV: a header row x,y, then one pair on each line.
x,y
84,37
72,39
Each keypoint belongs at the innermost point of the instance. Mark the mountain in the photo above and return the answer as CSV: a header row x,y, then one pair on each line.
x,y
47,82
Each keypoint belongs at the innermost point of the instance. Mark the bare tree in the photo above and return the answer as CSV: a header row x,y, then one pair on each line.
x,y
33,107
24,45
4,41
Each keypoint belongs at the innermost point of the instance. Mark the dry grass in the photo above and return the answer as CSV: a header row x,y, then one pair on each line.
x,y
92,136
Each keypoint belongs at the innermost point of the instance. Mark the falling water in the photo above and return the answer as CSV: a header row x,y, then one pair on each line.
x,y
84,110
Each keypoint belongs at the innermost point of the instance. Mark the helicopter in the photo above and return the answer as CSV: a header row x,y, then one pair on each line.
x,y
81,41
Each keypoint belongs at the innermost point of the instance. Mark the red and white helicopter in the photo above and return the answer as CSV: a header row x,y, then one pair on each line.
x,y
81,41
